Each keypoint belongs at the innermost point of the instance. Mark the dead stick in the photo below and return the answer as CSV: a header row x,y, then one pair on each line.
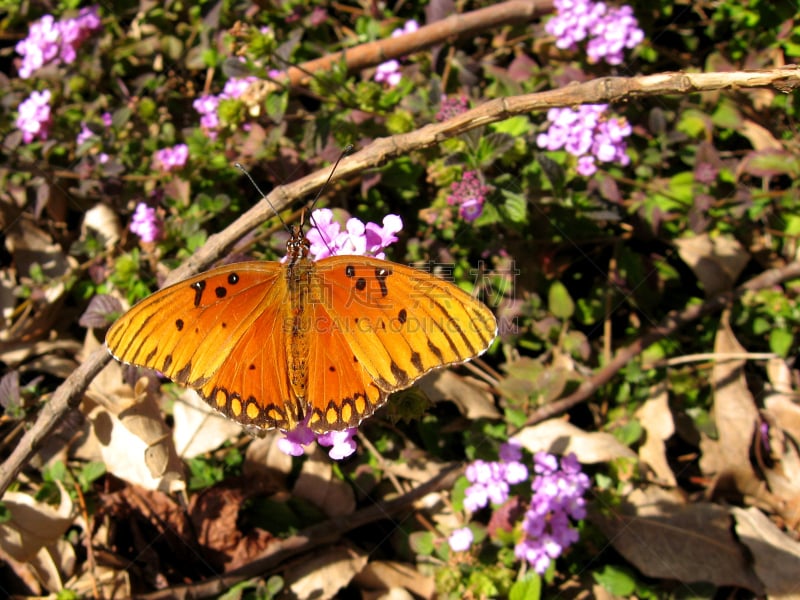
x,y
448,29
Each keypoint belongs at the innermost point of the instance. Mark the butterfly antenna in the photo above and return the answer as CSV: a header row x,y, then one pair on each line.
x,y
347,150
263,195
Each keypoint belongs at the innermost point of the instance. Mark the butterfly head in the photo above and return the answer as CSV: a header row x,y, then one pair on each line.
x,y
298,246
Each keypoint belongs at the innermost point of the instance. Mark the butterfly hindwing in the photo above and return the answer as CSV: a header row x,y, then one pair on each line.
x,y
341,391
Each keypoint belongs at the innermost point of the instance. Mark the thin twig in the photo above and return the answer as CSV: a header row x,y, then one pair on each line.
x,y
456,26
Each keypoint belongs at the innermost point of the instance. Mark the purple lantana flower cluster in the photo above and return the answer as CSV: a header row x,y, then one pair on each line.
x,y
170,159
451,107
546,528
208,104
145,223
609,30
491,481
33,117
328,239
51,41
469,195
557,497
389,72
588,134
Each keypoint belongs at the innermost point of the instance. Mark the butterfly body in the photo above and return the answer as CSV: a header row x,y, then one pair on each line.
x,y
270,344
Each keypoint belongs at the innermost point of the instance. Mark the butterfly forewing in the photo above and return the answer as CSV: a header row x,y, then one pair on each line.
x,y
401,322
209,332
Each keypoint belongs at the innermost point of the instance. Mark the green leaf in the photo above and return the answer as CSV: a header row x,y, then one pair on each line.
x,y
694,123
5,514
515,126
780,342
629,433
89,473
516,206
275,105
559,302
529,588
618,581
421,542
458,493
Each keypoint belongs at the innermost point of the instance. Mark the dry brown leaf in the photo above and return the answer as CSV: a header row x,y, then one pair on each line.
x,y
33,525
8,299
131,428
51,562
32,246
121,451
560,437
322,575
760,137
392,594
112,583
103,223
782,473
474,401
215,514
716,261
776,556
388,575
667,539
318,484
779,399
735,415
24,571
265,461
199,428
656,419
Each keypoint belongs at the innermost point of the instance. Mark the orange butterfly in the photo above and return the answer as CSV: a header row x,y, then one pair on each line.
x,y
275,345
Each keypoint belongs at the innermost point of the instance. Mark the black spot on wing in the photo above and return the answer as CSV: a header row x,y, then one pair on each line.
x,y
198,287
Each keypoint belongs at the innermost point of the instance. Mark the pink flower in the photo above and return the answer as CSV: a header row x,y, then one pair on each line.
x,y
294,441
342,442
327,238
378,238
145,223
461,539
34,116
469,195
209,119
236,86
56,41
170,159
410,27
588,134
452,107
389,73
609,30
84,135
